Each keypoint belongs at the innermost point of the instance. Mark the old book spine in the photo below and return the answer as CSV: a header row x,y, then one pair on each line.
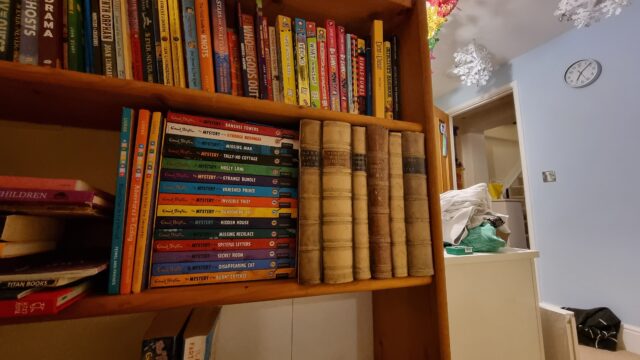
x,y
419,254
388,82
29,32
310,186
165,43
204,45
301,61
177,57
50,33
337,219
361,262
190,35
396,207
332,66
323,75
378,198
341,38
377,69
275,72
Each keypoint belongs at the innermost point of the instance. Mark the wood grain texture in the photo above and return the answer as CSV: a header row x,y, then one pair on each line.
x,y
446,173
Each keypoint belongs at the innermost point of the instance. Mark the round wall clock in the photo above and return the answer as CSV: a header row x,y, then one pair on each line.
x,y
582,73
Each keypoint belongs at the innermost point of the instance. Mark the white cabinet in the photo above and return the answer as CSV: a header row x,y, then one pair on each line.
x,y
493,306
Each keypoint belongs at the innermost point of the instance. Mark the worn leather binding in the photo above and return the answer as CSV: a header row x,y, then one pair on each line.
x,y
420,259
337,227
361,263
396,202
378,199
310,197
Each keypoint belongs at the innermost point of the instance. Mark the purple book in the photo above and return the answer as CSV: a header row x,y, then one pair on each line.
x,y
222,178
60,197
176,257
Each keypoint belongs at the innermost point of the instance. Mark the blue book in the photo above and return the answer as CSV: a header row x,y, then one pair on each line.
x,y
172,187
120,206
31,13
191,44
218,266
223,145
349,74
88,54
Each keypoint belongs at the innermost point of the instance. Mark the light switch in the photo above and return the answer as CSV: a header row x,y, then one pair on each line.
x,y
549,176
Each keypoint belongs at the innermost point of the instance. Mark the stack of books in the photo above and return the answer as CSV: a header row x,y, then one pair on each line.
x,y
215,46
219,204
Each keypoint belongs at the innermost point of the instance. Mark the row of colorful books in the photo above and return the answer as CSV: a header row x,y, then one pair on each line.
x,y
202,200
171,42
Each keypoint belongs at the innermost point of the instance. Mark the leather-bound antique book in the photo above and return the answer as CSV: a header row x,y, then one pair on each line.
x,y
310,197
361,263
378,199
337,227
420,259
396,207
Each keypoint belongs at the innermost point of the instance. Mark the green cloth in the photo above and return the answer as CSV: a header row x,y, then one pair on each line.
x,y
483,238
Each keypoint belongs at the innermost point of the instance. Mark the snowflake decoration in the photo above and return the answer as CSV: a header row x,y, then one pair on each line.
x,y
586,12
473,64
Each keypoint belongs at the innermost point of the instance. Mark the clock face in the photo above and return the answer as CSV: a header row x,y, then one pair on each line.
x,y
582,73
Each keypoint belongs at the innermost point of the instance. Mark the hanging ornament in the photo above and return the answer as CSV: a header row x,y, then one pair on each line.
x,y
473,64
437,13
586,12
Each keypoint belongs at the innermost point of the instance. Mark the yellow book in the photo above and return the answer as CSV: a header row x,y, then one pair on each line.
x,y
388,82
176,44
148,193
377,69
287,65
223,211
165,43
126,40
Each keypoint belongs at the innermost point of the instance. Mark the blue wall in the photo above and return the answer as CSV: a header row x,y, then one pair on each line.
x,y
585,224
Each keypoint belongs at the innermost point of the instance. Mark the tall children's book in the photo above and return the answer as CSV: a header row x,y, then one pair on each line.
x,y
133,205
362,78
395,69
145,224
287,66
147,41
302,65
120,206
50,33
96,46
350,83
157,41
388,82
377,69
205,54
250,74
191,57
126,39
117,40
262,49
29,32
87,36
332,65
314,80
165,42
355,87
107,39
75,50
323,75
134,36
235,62
220,47
16,26
275,72
6,18
177,56
341,42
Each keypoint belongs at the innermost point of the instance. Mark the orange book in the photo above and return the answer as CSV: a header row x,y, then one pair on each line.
x,y
204,45
133,206
215,200
234,61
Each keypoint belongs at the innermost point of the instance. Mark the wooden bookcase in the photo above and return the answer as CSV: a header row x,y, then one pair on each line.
x,y
410,314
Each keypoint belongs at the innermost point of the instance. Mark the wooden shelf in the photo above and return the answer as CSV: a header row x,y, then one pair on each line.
x,y
219,294
60,97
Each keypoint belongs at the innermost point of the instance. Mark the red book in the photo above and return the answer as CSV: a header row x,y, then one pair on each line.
x,y
231,125
134,34
62,197
235,63
332,65
50,33
133,207
342,67
25,182
223,244
265,67
323,76
43,302
250,74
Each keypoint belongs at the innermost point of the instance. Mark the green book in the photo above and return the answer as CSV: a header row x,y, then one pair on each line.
x,y
314,81
231,168
75,36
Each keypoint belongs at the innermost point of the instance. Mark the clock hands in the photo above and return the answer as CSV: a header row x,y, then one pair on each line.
x,y
581,71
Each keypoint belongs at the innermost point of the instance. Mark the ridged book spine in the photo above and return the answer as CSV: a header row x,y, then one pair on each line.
x,y
377,69
220,47
203,30
177,56
120,206
419,254
361,262
396,207
165,41
287,65
378,198
29,32
323,72
388,81
302,64
337,213
343,79
309,218
190,43
332,66
312,49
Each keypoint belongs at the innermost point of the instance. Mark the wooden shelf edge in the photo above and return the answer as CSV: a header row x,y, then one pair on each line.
x,y
75,85
218,294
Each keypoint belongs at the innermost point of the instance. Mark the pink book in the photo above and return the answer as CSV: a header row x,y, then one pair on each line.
x,y
341,38
25,182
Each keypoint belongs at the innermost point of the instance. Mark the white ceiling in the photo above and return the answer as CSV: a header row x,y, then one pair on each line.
x,y
507,28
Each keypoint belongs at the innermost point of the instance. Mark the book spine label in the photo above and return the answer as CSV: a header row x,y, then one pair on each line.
x,y
46,196
213,200
350,69
120,204
332,65
310,253
223,211
220,47
267,82
16,27
222,178
395,69
388,82
341,42
219,134
323,75
165,44
147,40
302,64
134,38
176,44
217,234
361,257
50,33
7,12
199,267
118,46
226,190
250,76
191,256
235,63
377,69
396,207
222,245
231,168
96,46
213,155
232,125
314,81
158,67
275,72
27,284
353,100
27,307
362,78
229,146
205,55
76,46
29,32
191,44
228,223
220,277
287,66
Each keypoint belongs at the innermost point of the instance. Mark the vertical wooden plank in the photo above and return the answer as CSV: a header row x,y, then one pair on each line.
x,y
446,172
